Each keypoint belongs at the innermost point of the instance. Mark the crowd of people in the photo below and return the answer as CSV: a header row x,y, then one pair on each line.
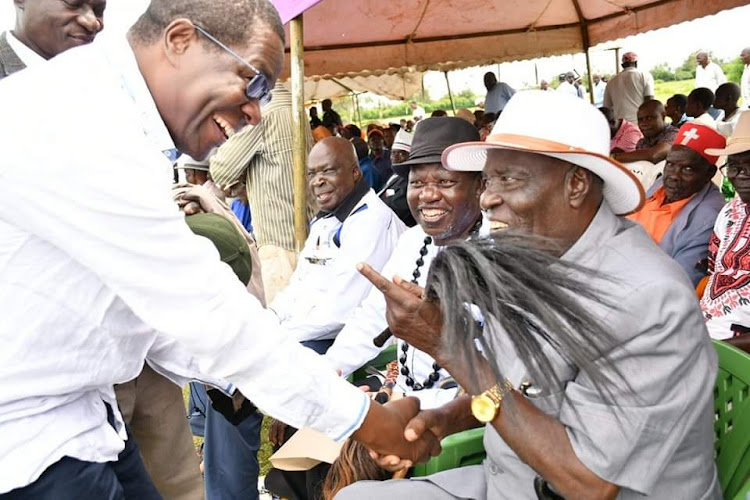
x,y
558,285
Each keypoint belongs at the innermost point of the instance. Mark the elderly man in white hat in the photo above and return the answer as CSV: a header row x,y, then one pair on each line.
x,y
650,435
727,293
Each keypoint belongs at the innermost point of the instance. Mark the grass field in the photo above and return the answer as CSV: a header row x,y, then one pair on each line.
x,y
665,90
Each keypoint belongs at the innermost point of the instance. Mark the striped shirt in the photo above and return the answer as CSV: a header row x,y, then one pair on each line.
x,y
264,152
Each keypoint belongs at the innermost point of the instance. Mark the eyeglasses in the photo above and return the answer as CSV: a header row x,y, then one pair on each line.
x,y
257,87
735,170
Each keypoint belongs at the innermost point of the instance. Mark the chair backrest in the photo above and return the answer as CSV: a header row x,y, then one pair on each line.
x,y
459,450
732,418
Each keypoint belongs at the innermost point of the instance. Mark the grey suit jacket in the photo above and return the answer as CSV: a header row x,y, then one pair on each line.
x,y
686,240
9,60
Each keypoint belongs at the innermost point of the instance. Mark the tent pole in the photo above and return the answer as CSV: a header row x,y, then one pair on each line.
x,y
591,77
617,60
299,122
359,114
450,94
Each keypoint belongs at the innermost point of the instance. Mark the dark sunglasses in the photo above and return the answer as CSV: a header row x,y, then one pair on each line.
x,y
257,88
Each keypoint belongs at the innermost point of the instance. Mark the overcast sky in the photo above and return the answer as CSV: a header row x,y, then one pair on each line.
x,y
721,34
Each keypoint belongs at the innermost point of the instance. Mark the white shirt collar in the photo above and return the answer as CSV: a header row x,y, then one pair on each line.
x,y
24,53
122,57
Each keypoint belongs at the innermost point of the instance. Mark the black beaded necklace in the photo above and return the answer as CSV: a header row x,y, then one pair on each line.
x,y
435,375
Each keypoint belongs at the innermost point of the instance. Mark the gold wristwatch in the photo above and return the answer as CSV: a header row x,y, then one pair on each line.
x,y
485,406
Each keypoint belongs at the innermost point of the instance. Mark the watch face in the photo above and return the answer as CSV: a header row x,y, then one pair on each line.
x,y
483,408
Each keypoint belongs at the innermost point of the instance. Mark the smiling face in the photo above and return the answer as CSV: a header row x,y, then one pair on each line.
x,y
50,27
444,203
199,88
332,172
685,173
538,195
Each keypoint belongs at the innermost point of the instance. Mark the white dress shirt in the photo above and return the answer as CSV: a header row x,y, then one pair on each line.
x,y
92,266
709,77
25,54
353,347
599,89
326,286
566,87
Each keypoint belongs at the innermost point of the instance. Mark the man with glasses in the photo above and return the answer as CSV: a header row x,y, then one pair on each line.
x,y
91,269
726,299
681,207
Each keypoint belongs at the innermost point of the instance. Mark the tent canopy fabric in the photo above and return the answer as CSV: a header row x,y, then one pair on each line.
x,y
344,37
397,85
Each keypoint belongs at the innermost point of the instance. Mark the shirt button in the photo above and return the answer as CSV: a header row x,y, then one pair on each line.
x,y
494,469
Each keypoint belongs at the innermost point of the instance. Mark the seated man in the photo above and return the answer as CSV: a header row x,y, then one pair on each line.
x,y
675,109
378,160
624,135
681,207
657,135
699,101
649,436
353,226
446,207
726,299
727,96
393,193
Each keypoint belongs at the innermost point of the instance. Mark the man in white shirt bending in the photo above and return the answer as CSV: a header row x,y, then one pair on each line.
x,y
91,269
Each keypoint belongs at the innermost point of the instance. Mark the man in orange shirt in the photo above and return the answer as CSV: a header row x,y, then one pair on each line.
x,y
682,206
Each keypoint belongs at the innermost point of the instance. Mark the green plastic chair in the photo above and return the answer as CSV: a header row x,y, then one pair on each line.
x,y
732,421
459,450
731,427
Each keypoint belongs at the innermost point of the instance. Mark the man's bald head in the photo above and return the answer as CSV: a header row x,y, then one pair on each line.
x,y
651,116
702,58
745,55
332,172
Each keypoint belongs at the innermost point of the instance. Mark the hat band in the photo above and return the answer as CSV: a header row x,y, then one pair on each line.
x,y
738,140
536,143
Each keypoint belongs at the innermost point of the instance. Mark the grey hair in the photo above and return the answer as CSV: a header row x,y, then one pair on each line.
x,y
517,283
231,21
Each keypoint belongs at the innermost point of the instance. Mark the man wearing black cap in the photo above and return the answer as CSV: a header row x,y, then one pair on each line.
x,y
445,205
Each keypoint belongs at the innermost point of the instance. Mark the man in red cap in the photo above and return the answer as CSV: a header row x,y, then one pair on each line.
x,y
628,90
682,205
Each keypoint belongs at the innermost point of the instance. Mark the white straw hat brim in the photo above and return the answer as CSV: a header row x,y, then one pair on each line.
x,y
622,190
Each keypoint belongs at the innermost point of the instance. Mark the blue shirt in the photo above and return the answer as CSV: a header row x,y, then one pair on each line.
x,y
498,97
243,213
371,173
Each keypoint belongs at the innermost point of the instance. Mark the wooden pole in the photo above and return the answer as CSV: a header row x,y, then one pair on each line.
x,y
450,94
617,60
591,77
299,123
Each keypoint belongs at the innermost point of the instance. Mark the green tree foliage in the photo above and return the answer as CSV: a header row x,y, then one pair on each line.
x,y
663,73
733,70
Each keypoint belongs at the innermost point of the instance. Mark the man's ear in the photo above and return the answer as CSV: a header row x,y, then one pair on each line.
x,y
178,36
578,184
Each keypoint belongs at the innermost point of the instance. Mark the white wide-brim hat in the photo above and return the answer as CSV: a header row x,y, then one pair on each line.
x,y
560,126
